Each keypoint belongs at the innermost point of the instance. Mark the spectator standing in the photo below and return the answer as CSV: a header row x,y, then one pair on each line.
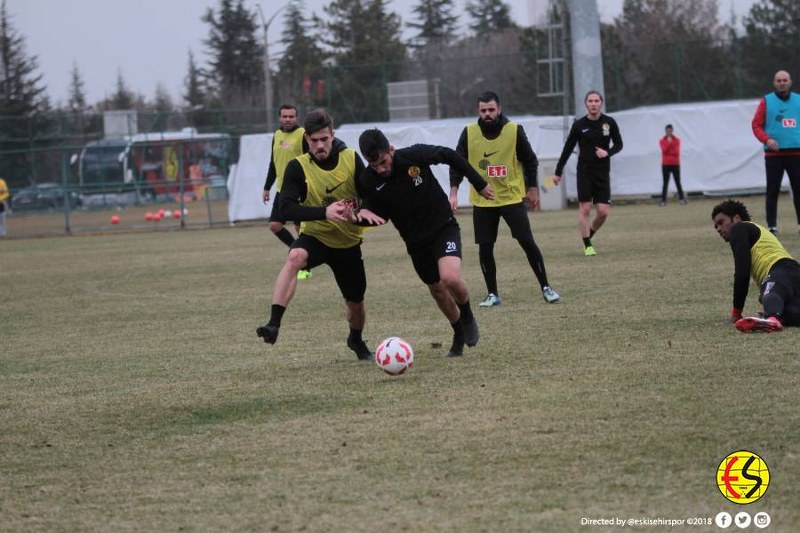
x,y
775,124
671,163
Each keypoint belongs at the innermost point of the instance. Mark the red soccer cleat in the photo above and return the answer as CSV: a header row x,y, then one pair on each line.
x,y
753,324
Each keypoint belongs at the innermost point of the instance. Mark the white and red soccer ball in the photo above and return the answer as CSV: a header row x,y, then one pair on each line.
x,y
394,356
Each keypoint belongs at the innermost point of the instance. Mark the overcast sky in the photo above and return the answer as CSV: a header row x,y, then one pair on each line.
x,y
148,41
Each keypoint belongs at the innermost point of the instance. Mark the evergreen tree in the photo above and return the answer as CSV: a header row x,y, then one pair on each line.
x,y
123,98
368,51
23,103
235,71
194,95
771,43
661,51
77,92
489,17
302,62
436,23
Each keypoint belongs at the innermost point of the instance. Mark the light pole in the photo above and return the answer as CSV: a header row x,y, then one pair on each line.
x,y
267,73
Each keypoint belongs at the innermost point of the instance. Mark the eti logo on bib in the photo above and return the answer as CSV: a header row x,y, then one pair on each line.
x,y
743,477
497,171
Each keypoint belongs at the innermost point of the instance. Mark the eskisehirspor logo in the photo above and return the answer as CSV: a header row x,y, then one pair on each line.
x,y
743,477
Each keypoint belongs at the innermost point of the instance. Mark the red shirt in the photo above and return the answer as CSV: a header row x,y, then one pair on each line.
x,y
670,151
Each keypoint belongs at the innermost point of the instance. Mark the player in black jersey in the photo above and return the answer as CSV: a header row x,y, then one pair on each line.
x,y
398,185
597,137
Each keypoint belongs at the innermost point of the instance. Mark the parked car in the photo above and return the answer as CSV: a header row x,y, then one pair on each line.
x,y
44,196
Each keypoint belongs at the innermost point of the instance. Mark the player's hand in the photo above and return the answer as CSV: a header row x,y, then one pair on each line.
x,y
600,153
772,144
454,202
365,215
556,180
487,192
338,211
265,196
532,194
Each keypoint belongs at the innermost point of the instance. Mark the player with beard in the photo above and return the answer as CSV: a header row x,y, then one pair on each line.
x,y
597,137
318,189
400,186
499,151
288,142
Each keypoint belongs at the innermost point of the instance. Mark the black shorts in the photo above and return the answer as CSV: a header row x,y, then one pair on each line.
x,y
346,263
594,185
784,279
486,220
275,215
425,256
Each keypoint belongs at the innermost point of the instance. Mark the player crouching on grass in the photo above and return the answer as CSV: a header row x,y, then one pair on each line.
x,y
759,253
399,186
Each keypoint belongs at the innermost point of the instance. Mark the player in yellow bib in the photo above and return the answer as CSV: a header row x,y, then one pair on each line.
x,y
288,142
499,151
758,253
319,189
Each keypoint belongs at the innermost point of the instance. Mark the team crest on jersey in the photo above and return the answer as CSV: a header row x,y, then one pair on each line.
x,y
789,123
413,171
285,145
606,130
497,171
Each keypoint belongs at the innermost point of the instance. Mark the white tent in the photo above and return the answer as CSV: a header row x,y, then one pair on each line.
x,y
719,151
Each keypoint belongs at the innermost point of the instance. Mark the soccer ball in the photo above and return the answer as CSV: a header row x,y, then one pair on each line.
x,y
394,356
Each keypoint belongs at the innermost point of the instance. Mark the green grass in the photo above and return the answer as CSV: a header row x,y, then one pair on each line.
x,y
135,395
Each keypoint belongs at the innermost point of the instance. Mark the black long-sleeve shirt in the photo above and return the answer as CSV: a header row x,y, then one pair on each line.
x,y
525,154
412,197
294,188
589,134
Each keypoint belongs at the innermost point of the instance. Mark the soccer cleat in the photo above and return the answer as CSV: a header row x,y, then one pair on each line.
x,y
360,348
662,204
303,274
753,324
457,347
471,333
589,251
773,230
268,332
490,300
682,202
550,296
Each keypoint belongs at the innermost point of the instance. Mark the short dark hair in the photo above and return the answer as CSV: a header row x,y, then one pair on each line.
x,y
373,143
287,106
668,126
487,96
593,91
317,120
731,208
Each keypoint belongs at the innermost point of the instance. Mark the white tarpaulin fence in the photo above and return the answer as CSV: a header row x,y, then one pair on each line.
x,y
719,151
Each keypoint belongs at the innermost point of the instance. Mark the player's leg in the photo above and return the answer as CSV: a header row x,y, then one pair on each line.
x,y
276,222
303,252
348,270
601,194
516,217
774,167
793,171
485,222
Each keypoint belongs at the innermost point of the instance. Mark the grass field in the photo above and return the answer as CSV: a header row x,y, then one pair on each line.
x,y
135,395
